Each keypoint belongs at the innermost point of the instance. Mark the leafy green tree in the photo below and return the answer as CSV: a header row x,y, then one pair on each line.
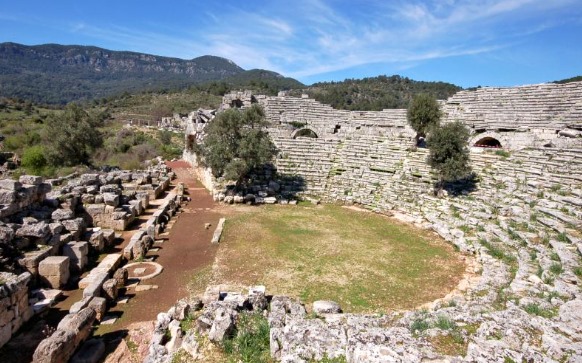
x,y
71,137
235,143
449,152
423,114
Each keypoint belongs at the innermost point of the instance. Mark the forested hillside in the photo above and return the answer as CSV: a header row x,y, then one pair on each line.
x,y
58,74
376,93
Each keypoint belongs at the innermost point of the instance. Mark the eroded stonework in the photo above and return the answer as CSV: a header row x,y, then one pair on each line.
x,y
522,221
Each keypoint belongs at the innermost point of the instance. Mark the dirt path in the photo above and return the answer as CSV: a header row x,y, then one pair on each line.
x,y
186,249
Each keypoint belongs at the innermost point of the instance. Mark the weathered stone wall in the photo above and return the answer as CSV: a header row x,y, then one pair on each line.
x,y
45,236
521,221
14,308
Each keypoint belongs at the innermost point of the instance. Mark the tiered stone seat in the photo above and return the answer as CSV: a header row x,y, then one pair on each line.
x,y
538,106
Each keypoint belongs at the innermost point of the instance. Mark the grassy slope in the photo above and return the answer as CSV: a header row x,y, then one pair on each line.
x,y
364,261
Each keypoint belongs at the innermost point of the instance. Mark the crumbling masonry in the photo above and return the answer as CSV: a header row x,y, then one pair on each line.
x,y
522,222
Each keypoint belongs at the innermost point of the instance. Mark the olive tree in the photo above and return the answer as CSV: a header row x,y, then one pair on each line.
x,y
449,152
236,143
71,136
423,114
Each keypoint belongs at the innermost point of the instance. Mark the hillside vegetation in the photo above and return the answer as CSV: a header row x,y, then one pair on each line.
x,y
376,93
58,74
25,130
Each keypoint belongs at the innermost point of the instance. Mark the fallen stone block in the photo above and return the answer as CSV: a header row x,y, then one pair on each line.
x,y
62,214
95,284
54,271
99,304
218,232
77,253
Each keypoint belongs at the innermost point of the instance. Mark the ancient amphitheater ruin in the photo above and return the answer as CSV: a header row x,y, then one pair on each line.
x,y
521,225
522,222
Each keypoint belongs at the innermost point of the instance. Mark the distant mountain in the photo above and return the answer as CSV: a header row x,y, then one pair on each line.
x,y
375,93
59,74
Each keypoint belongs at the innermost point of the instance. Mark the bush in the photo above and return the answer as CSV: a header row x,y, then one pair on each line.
x,y
33,160
72,137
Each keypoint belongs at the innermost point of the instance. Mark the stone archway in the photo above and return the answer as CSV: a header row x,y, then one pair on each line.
x,y
491,139
489,142
304,132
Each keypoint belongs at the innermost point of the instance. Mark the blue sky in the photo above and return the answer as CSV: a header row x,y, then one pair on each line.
x,y
469,43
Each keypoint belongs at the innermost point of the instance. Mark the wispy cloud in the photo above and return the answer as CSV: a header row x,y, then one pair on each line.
x,y
311,37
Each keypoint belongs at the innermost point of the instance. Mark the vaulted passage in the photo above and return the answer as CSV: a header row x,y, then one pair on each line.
x,y
488,142
305,133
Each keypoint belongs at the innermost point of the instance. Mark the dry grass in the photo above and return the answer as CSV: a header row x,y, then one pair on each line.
x,y
365,262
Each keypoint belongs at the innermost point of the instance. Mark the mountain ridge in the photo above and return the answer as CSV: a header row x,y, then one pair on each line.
x,y
58,74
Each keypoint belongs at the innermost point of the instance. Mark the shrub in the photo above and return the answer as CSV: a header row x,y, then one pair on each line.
x,y
33,160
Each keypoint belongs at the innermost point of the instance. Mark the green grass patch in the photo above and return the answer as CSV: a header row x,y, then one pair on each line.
x,y
556,268
504,154
535,309
364,261
250,343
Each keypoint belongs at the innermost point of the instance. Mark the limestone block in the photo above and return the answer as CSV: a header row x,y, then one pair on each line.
x,y
62,214
54,271
111,199
80,305
7,196
95,209
36,230
97,241
9,184
98,304
89,179
109,236
120,277
95,284
31,260
110,262
74,224
80,324
77,253
31,179
56,228
56,348
110,290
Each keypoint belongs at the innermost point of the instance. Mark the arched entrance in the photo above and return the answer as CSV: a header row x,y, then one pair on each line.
x,y
489,142
305,132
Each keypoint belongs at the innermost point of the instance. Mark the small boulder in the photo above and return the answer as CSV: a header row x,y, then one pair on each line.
x,y
326,307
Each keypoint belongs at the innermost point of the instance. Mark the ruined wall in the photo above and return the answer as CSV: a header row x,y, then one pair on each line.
x,y
14,308
46,236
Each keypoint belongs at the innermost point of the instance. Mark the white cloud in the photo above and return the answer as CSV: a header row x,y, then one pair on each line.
x,y
310,37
